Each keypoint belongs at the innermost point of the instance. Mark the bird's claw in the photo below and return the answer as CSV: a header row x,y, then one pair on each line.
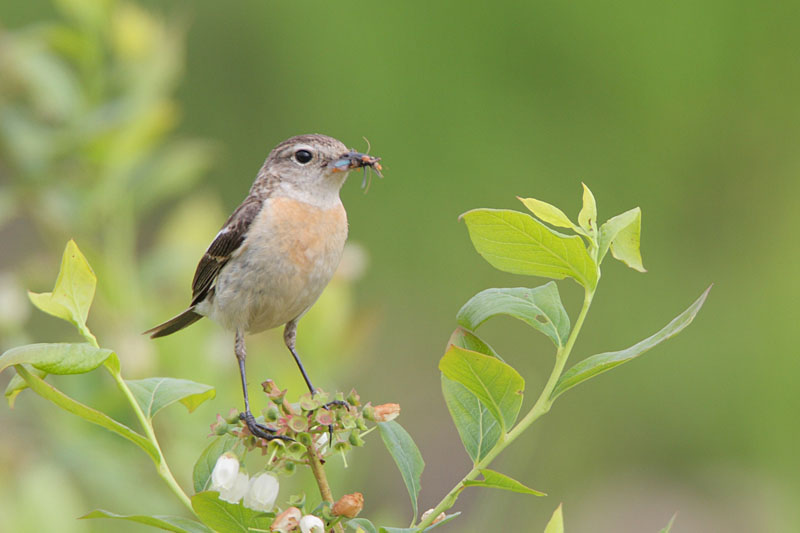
x,y
260,430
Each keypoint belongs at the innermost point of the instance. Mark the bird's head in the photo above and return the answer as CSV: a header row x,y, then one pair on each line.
x,y
315,164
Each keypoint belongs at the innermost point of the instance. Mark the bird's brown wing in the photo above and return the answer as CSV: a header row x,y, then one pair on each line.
x,y
227,241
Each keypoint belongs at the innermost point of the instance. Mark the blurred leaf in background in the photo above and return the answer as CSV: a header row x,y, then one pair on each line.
x,y
88,149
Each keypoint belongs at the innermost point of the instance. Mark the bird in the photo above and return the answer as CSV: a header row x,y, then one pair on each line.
x,y
277,252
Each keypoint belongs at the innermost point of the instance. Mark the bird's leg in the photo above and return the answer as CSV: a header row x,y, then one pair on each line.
x,y
259,430
289,337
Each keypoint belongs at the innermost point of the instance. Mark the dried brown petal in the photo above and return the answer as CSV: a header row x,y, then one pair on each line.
x,y
349,505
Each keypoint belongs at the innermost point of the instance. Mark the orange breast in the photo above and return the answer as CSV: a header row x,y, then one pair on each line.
x,y
306,233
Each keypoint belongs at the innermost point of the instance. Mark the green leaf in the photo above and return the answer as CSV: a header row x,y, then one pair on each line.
x,y
468,340
74,290
153,394
17,384
201,475
406,454
547,213
497,385
597,364
518,243
478,429
669,525
57,358
540,308
622,234
496,480
556,523
176,524
362,525
587,218
48,392
224,517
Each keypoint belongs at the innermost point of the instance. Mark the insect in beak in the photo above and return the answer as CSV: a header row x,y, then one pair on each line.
x,y
353,159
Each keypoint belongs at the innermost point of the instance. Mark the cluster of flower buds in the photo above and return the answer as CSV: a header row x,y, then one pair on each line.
x,y
257,493
315,427
331,424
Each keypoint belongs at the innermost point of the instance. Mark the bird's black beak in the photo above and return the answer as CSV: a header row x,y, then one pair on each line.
x,y
351,160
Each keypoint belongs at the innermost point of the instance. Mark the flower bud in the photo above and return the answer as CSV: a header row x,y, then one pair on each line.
x,y
355,439
286,521
323,417
353,398
238,490
233,417
386,412
225,471
349,505
262,492
272,413
312,524
429,512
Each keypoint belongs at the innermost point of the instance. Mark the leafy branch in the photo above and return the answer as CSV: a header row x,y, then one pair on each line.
x,y
483,392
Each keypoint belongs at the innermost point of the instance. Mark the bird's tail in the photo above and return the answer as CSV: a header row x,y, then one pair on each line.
x,y
172,325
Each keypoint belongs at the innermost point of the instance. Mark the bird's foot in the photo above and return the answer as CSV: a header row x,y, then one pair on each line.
x,y
336,403
260,430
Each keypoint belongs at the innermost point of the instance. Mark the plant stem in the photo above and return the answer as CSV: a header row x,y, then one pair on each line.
x,y
542,406
322,481
162,467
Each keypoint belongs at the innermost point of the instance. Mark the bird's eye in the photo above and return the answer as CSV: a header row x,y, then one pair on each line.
x,y
303,156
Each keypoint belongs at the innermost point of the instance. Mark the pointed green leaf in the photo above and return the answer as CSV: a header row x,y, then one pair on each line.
x,y
540,308
48,392
587,218
547,213
497,385
177,524
669,525
556,523
518,243
74,290
622,233
406,454
496,480
478,429
56,358
612,227
224,517
597,364
470,341
153,394
201,474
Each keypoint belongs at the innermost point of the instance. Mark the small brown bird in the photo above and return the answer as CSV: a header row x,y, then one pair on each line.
x,y
278,250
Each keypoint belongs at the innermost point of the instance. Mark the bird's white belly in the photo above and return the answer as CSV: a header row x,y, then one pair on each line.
x,y
290,254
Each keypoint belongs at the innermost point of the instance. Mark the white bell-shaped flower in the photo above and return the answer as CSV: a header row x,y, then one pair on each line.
x,y
312,524
225,472
238,490
262,492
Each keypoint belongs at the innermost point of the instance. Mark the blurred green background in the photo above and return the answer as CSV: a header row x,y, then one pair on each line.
x,y
137,127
